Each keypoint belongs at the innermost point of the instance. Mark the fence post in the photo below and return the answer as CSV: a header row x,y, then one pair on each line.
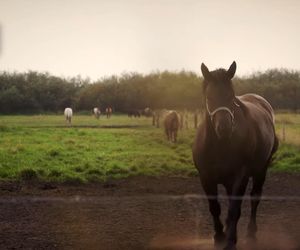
x,y
181,120
157,120
186,120
283,132
195,119
153,119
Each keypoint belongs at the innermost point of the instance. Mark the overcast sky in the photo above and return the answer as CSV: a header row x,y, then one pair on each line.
x,y
102,37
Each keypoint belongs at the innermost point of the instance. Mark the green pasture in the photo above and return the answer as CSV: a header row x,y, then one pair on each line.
x,y
46,148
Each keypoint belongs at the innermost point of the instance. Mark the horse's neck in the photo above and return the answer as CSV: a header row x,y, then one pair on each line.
x,y
210,134
208,125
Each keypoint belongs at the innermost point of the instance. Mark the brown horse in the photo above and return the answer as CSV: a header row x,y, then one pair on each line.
x,y
134,113
108,112
235,142
171,124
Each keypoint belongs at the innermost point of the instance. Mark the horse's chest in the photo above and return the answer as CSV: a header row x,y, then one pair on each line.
x,y
221,162
224,155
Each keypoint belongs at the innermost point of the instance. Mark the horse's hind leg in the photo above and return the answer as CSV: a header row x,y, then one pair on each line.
x,y
170,135
258,182
175,135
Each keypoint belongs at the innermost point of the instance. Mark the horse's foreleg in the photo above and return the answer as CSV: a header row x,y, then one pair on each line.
x,y
175,135
211,191
234,211
258,182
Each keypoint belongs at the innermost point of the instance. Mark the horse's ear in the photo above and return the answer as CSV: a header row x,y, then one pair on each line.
x,y
231,70
205,72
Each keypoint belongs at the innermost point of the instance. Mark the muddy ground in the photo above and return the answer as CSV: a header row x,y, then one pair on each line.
x,y
139,213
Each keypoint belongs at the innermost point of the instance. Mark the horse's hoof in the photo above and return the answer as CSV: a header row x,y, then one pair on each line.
x,y
219,239
230,247
251,237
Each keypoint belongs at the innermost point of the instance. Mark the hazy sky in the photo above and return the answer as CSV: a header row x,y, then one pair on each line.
x,y
103,37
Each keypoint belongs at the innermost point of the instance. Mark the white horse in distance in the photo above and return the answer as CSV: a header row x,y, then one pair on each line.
x,y
97,112
68,114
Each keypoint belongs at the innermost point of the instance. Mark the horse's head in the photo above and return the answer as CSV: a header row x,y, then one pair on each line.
x,y
220,99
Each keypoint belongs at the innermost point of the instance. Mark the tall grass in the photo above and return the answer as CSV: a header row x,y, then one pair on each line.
x,y
288,128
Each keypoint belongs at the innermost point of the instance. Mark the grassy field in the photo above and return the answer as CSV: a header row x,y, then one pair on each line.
x,y
46,148
288,131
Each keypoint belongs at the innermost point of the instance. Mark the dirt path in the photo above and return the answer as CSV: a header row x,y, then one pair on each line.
x,y
138,213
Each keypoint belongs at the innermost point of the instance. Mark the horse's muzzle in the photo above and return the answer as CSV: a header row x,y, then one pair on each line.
x,y
223,131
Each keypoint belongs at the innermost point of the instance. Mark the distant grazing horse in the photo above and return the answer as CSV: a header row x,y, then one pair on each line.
x,y
147,112
134,112
68,114
96,112
108,112
157,115
171,124
234,143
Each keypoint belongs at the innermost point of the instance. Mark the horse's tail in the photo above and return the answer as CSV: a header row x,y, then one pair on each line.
x,y
275,145
274,149
175,122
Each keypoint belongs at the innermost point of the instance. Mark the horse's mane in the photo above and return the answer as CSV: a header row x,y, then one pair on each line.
x,y
242,106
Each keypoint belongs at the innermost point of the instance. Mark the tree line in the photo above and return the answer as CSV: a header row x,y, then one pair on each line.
x,y
34,92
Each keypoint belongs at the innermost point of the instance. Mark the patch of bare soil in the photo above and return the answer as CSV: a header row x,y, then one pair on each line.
x,y
139,213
